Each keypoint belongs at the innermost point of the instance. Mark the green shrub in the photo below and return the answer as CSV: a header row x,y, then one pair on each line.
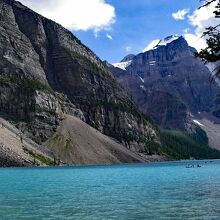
x,y
29,85
40,157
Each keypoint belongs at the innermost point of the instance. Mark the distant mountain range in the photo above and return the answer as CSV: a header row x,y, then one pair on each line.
x,y
60,104
168,83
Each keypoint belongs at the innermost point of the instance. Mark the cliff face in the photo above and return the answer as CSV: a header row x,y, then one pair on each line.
x,y
168,83
46,72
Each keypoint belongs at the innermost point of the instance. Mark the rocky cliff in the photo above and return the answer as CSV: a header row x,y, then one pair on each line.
x,y
69,108
168,82
46,72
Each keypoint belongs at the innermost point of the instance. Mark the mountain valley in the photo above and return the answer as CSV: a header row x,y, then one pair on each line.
x,y
66,106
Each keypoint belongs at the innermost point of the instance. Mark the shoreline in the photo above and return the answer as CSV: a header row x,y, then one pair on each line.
x,y
205,161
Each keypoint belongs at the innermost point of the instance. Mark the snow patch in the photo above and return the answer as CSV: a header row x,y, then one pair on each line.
x,y
122,65
152,63
168,40
129,125
198,123
157,43
143,87
142,80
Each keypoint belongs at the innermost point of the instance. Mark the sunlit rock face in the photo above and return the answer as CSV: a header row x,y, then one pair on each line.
x,y
45,72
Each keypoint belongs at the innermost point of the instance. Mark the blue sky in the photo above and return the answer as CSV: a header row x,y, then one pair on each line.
x,y
115,28
138,22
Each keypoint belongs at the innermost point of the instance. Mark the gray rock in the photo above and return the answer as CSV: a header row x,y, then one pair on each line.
x,y
46,71
169,84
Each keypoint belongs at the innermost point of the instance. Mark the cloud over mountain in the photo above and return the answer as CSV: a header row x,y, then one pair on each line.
x,y
200,20
181,14
76,14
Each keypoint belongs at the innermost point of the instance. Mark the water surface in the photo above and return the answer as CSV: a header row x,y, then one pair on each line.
x,y
122,192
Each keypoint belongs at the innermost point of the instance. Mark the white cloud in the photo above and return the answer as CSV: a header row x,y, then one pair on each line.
x,y
128,49
195,40
181,14
109,36
200,19
186,30
151,45
76,14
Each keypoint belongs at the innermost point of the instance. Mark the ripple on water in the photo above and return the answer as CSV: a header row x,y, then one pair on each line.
x,y
156,191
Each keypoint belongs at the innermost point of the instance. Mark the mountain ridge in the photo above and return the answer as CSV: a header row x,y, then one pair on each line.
x,y
47,73
47,77
172,71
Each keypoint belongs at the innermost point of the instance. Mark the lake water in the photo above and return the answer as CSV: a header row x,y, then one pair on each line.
x,y
122,192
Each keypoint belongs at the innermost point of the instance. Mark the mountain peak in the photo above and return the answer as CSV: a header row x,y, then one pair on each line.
x,y
122,65
163,42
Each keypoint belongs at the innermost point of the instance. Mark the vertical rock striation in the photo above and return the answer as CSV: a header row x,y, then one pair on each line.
x,y
45,71
169,83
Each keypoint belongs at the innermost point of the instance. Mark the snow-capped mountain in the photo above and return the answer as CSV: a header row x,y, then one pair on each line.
x,y
168,82
126,62
157,43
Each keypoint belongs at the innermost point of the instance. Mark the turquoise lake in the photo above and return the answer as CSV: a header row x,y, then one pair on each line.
x,y
123,192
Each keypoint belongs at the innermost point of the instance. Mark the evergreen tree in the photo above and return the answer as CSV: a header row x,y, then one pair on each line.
x,y
211,54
